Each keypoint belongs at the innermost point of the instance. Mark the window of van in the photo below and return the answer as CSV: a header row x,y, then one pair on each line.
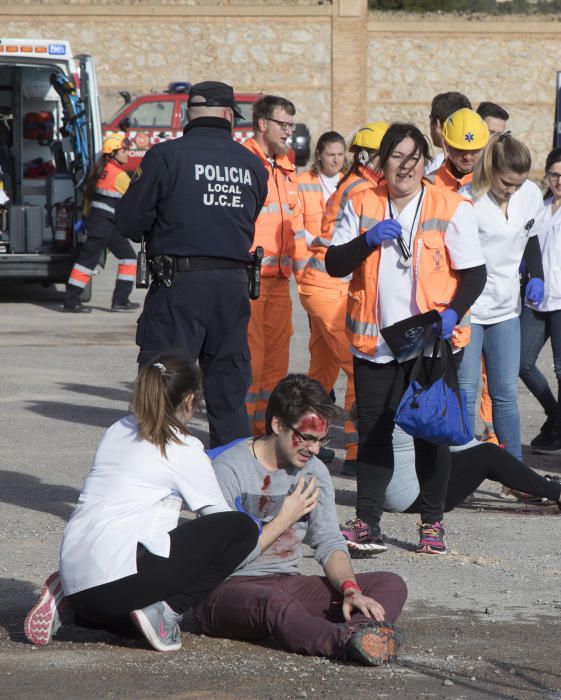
x,y
152,114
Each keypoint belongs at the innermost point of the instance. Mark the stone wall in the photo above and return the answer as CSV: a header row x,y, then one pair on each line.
x,y
290,56
512,62
338,63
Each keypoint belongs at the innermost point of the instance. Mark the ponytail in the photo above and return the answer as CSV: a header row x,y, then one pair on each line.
x,y
502,154
158,392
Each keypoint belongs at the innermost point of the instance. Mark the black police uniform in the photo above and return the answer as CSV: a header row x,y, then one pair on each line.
x,y
197,198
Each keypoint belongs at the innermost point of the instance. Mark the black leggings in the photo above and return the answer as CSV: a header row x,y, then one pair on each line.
x,y
203,553
378,388
472,466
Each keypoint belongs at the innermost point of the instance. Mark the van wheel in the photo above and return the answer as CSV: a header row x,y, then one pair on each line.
x,y
87,292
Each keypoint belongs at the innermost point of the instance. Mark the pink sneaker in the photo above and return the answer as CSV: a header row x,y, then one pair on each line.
x,y
45,617
362,540
431,539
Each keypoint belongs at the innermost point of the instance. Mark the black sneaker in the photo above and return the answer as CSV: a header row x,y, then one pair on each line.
x,y
326,455
547,432
548,447
78,309
125,306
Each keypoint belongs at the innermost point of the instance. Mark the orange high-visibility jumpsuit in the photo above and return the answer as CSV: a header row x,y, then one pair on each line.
x,y
323,297
443,177
270,325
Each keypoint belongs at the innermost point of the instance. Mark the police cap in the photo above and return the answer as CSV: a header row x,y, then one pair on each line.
x,y
213,94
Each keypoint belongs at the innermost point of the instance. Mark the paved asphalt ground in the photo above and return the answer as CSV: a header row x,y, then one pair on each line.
x,y
482,622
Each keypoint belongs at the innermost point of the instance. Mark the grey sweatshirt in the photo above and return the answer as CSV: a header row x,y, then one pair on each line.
x,y
248,486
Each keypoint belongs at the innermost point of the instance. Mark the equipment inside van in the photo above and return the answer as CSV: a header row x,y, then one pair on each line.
x,y
50,133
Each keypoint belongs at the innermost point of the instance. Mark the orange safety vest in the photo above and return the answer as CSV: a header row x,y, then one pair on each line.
x,y
110,187
280,218
435,281
443,177
314,272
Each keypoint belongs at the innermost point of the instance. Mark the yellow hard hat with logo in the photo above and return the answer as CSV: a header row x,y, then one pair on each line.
x,y
115,141
465,130
370,135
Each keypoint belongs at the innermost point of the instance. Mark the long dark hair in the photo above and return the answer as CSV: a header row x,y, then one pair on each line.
x,y
93,177
395,135
158,391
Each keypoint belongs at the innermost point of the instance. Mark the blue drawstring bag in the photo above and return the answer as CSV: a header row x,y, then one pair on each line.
x,y
436,412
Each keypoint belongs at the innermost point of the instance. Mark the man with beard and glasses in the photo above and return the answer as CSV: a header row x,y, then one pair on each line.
x,y
278,480
279,222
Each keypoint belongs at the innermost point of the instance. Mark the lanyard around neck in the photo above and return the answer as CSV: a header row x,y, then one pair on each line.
x,y
406,247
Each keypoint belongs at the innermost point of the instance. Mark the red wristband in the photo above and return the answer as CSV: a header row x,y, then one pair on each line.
x,y
350,585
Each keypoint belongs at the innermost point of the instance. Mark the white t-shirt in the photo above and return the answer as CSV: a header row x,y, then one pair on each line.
x,y
503,241
396,285
550,244
328,184
133,494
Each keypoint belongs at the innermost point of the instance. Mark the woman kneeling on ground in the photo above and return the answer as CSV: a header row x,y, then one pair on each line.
x,y
471,464
123,555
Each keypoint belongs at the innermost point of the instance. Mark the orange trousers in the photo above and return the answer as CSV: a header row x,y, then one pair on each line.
x,y
486,405
269,333
330,348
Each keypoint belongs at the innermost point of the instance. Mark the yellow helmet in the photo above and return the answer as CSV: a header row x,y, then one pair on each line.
x,y
370,135
115,141
465,130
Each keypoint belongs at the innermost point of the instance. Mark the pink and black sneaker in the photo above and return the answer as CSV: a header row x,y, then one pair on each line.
x,y
46,617
362,539
431,539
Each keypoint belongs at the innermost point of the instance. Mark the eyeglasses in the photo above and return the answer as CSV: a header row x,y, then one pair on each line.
x,y
309,440
285,126
553,176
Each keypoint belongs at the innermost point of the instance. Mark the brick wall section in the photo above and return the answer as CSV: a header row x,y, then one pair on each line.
x,y
349,64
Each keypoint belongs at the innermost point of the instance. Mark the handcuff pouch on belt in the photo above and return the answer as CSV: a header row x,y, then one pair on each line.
x,y
163,268
254,273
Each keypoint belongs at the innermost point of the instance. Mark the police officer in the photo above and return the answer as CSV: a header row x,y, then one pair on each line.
x,y
196,199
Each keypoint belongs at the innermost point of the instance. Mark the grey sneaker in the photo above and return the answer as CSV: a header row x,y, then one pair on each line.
x,y
160,625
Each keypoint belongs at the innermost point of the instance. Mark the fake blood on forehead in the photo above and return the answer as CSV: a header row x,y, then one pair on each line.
x,y
312,424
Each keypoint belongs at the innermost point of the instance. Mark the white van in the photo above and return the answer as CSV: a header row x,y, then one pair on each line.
x,y
50,136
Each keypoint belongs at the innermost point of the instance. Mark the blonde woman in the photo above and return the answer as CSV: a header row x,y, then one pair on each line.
x,y
123,554
508,208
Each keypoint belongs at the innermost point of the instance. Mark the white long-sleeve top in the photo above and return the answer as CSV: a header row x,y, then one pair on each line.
x,y
133,494
550,244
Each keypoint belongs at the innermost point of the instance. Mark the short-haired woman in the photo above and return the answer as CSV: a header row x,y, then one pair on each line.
x,y
123,554
509,208
411,248
538,324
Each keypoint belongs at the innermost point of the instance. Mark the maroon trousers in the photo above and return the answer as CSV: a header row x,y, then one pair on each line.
x,y
303,613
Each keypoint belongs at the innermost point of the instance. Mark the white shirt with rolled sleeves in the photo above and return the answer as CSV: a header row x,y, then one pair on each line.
x,y
550,244
133,495
396,298
503,241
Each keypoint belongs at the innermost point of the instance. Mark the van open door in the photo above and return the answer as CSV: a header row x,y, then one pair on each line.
x,y
557,126
90,98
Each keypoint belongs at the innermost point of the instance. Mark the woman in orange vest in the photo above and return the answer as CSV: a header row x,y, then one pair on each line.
x,y
417,250
324,297
106,184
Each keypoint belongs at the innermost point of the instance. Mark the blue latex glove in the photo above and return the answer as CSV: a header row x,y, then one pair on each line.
x,y
449,320
535,290
386,230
